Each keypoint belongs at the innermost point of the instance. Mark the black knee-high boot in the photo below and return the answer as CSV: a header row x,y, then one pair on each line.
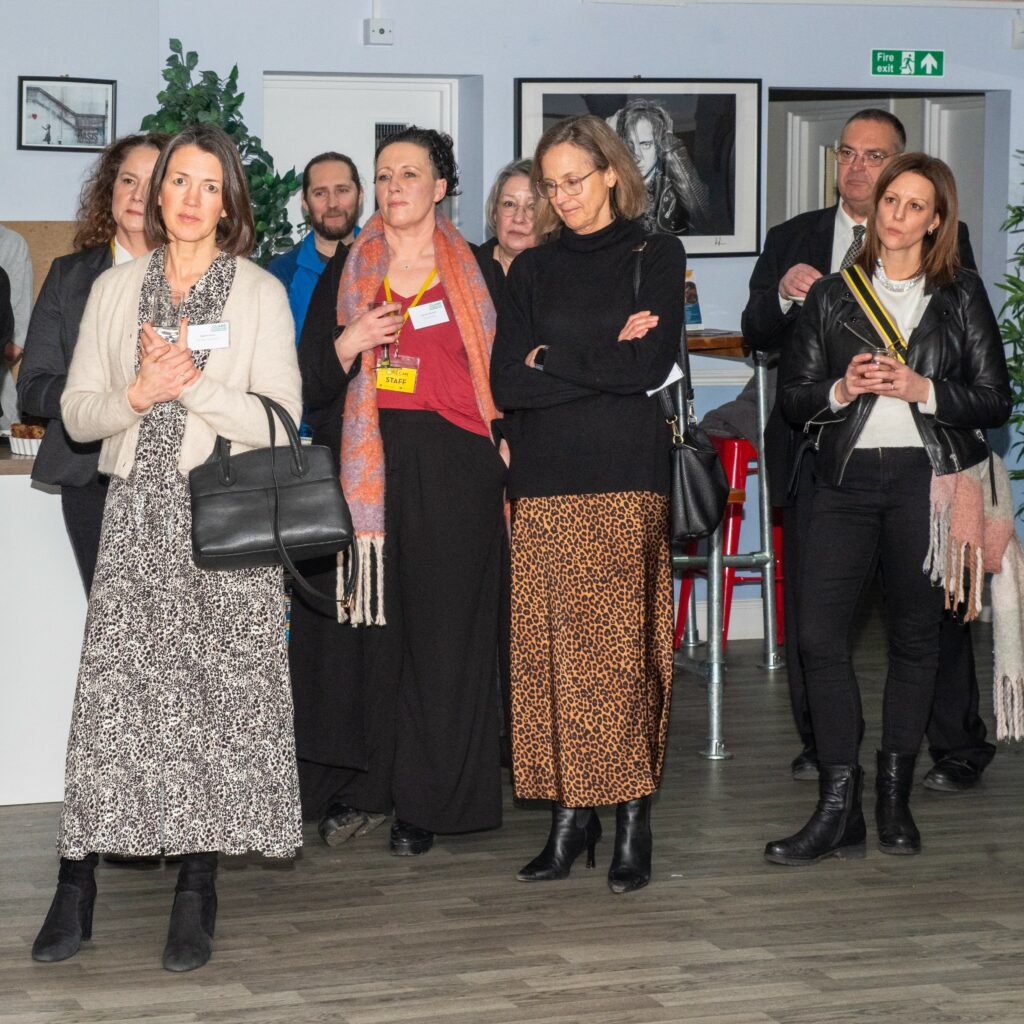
x,y
897,832
631,863
573,830
190,935
69,919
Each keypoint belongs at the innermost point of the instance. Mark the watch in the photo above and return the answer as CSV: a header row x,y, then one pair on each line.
x,y
538,359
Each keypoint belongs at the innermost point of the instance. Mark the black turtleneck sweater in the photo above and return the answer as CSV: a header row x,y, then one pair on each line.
x,y
584,424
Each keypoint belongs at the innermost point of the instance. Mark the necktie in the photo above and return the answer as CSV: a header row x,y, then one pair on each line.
x,y
854,251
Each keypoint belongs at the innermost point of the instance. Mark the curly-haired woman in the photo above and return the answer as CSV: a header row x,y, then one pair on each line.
x,y
424,481
109,232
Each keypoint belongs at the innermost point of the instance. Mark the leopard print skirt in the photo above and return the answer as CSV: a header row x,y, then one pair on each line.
x,y
591,646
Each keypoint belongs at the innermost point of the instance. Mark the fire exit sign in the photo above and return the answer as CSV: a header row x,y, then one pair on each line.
x,y
909,63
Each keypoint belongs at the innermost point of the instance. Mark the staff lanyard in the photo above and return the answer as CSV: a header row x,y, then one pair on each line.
x,y
405,316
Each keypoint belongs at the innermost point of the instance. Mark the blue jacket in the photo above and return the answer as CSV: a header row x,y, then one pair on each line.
x,y
298,270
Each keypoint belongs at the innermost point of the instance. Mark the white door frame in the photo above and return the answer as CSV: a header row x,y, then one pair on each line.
x,y
447,90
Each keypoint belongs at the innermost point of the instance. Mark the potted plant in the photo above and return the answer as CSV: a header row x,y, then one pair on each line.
x,y
214,100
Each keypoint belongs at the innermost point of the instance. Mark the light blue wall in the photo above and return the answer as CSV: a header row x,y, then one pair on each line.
x,y
785,46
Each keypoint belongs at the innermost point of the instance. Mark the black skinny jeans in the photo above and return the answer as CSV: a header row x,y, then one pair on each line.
x,y
880,511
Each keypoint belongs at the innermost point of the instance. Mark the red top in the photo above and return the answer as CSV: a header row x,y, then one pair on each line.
x,y
443,384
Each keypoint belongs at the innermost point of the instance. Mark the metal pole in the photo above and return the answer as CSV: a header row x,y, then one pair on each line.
x,y
691,634
715,750
772,658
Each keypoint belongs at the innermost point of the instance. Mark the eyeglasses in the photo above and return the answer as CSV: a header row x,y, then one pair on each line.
x,y
872,158
509,208
571,186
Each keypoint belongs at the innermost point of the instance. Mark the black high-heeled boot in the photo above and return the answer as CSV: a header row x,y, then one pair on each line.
x,y
69,919
194,914
836,828
897,832
631,862
573,829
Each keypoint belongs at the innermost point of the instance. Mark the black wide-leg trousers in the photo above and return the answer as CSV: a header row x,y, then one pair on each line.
x,y
879,513
429,675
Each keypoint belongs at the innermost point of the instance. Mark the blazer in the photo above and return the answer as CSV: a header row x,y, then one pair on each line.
x,y
324,383
52,334
260,358
806,238
490,269
956,345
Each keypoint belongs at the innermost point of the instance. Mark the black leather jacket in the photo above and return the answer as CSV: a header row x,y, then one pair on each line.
x,y
956,345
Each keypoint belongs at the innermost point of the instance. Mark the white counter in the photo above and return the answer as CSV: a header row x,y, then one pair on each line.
x,y
41,624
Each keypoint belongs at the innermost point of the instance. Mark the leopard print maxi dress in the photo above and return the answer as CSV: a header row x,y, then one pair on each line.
x,y
181,734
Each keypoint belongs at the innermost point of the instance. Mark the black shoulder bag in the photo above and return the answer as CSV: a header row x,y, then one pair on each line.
x,y
248,512
699,488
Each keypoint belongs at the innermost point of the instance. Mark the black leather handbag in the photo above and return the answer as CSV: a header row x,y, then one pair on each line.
x,y
270,506
699,488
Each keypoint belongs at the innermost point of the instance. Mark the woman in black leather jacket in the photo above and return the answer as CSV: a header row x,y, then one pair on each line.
x,y
884,426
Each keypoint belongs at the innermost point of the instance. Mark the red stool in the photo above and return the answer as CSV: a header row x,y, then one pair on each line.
x,y
738,456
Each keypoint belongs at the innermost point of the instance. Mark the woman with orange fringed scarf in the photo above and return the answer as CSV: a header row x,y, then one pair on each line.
x,y
425,484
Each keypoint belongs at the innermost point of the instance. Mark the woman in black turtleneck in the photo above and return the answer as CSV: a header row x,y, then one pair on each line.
x,y
573,358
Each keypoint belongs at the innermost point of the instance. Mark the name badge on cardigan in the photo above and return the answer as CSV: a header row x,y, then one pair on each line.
x,y
208,336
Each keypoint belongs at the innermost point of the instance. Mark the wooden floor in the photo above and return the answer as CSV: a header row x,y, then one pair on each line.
x,y
354,935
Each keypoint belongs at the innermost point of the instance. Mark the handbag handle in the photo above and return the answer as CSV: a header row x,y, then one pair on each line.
x,y
300,467
679,408
300,464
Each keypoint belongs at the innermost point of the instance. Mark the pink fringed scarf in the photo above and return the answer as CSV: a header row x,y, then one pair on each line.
x,y
972,534
362,451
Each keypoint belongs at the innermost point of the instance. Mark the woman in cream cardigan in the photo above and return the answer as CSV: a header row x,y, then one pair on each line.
x,y
181,735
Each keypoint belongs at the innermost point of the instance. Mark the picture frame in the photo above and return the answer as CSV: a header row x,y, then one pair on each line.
x,y
71,115
697,140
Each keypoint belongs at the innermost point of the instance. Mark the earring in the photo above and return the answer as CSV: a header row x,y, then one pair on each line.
x,y
930,230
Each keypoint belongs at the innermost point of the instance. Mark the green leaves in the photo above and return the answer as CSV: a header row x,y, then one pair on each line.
x,y
206,98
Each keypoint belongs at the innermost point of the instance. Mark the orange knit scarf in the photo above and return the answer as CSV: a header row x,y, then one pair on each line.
x,y
362,450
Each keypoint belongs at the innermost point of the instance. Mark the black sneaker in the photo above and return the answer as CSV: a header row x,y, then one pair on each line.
x,y
805,765
952,775
341,822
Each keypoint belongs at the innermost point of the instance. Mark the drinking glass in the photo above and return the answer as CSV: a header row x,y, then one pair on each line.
x,y
166,311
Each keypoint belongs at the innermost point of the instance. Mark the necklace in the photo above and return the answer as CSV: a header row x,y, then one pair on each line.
x,y
896,287
503,260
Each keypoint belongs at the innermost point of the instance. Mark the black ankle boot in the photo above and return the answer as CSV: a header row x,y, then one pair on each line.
x,y
897,832
190,935
573,829
69,919
837,826
631,863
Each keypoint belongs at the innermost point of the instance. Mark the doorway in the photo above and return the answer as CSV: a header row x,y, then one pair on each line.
x,y
307,114
804,124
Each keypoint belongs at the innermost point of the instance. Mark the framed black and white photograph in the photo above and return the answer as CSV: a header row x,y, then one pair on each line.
x,y
69,114
696,141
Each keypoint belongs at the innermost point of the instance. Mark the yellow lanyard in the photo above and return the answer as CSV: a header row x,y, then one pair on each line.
x,y
419,294
405,316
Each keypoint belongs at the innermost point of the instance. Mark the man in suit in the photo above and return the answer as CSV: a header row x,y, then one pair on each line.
x,y
796,253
